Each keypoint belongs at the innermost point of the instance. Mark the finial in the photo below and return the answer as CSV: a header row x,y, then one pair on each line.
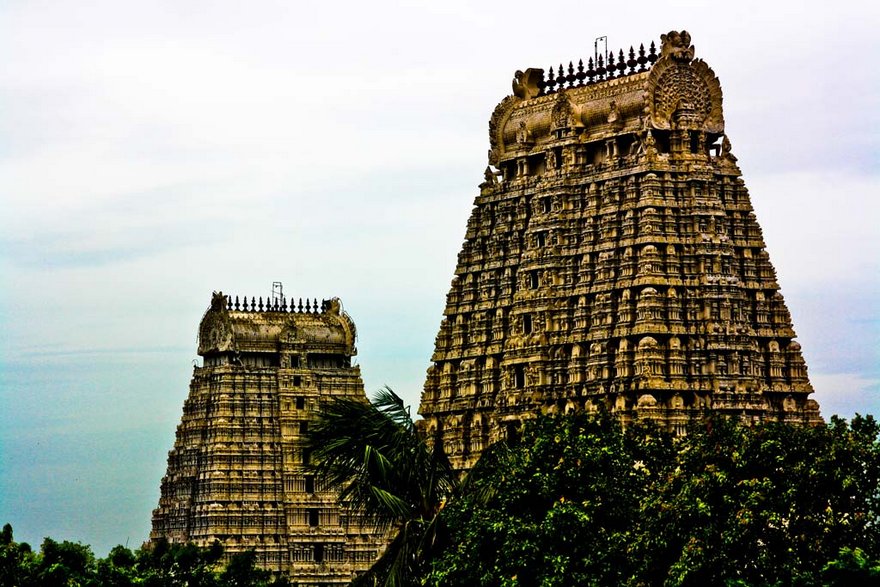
x,y
631,62
621,64
261,304
609,66
580,74
652,53
308,305
236,303
300,307
315,305
551,81
642,59
560,79
600,68
570,78
591,71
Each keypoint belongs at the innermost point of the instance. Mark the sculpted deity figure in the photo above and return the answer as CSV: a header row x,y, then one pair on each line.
x,y
523,136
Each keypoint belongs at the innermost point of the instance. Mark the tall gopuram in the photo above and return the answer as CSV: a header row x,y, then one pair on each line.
x,y
612,259
237,471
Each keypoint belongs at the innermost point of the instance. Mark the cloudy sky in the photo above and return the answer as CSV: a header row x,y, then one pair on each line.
x,y
152,152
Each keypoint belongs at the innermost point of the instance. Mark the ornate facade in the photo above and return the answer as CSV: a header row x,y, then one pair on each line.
x,y
237,471
612,259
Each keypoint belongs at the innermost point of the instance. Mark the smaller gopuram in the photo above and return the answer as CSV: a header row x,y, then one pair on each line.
x,y
612,261
238,471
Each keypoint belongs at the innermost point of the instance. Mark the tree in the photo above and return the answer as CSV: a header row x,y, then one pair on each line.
x,y
763,505
374,455
555,509
584,501
17,561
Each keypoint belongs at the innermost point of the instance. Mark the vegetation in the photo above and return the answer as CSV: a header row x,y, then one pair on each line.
x,y
374,455
581,501
70,564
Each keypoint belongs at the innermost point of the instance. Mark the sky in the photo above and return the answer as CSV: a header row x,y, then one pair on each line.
x,y
153,152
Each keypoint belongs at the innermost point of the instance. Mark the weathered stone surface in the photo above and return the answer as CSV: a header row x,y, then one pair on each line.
x,y
612,259
237,470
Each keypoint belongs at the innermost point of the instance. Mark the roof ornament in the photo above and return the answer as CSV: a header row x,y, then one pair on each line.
x,y
677,45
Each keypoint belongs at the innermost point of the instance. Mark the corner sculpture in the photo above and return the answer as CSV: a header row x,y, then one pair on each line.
x,y
612,259
237,472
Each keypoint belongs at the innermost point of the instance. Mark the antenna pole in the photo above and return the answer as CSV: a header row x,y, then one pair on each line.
x,y
596,48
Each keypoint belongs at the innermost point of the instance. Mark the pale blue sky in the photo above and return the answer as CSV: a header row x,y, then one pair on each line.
x,y
152,152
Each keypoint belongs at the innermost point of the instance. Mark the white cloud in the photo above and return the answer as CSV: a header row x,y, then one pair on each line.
x,y
846,394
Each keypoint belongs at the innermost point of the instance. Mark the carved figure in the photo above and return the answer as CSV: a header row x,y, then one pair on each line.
x,y
523,136
676,46
218,301
725,150
525,83
490,177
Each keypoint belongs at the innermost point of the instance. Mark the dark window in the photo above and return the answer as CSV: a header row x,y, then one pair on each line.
x,y
546,204
303,427
319,553
300,401
519,377
541,239
534,280
307,456
310,483
313,517
527,323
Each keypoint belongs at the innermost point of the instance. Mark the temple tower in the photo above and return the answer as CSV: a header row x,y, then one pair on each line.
x,y
237,471
612,259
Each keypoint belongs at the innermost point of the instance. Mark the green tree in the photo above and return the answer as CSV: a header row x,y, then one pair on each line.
x,y
18,562
581,501
242,571
119,569
763,505
66,564
382,466
185,565
555,509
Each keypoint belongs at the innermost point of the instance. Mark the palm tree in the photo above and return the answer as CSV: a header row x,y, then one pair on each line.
x,y
375,456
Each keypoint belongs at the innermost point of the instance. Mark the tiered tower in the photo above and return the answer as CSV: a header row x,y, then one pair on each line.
x,y
612,259
237,471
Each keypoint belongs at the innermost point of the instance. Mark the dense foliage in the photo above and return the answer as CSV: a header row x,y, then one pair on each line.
x,y
70,564
581,501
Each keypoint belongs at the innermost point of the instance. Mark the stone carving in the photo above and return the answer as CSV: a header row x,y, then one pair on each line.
x,y
236,472
562,115
681,91
525,84
676,45
523,136
725,150
626,272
